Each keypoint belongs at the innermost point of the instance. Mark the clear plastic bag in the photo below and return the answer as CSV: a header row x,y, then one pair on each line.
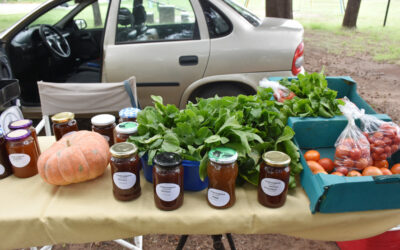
x,y
352,147
281,93
384,137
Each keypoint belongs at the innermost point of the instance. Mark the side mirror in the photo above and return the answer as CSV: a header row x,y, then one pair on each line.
x,y
81,24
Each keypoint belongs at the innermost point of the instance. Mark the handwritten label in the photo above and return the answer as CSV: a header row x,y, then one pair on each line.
x,y
168,191
124,180
272,187
218,198
19,160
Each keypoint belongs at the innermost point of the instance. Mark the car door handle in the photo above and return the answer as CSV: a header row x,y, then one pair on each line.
x,y
188,60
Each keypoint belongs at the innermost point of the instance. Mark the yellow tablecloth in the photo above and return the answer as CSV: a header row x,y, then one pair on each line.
x,y
34,213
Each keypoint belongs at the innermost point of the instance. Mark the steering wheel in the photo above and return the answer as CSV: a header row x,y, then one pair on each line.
x,y
54,41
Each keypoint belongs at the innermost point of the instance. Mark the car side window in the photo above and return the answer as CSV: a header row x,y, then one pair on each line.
x,y
149,20
92,16
218,24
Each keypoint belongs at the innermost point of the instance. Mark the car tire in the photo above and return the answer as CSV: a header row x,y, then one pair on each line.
x,y
221,89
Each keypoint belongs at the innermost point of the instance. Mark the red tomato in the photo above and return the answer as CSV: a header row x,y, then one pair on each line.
x,y
315,166
386,171
381,164
312,155
354,173
383,156
327,164
394,148
362,163
342,151
379,143
342,170
378,150
371,171
387,141
337,173
395,168
348,163
355,154
378,135
388,150
348,142
397,140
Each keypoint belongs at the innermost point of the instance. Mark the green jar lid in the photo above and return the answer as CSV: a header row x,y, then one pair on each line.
x,y
123,149
222,155
276,159
127,127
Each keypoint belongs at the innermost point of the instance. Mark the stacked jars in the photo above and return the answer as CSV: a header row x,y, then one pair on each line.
x,y
124,130
128,114
26,124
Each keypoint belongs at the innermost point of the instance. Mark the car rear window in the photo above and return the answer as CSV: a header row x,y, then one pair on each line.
x,y
246,14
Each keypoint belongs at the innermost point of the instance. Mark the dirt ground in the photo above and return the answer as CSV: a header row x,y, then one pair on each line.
x,y
378,84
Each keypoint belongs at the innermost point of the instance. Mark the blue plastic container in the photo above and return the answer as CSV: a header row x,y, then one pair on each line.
x,y
191,177
331,193
345,86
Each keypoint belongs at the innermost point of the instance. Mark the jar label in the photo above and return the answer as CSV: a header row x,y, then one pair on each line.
x,y
107,138
19,160
218,198
272,187
168,191
124,180
2,169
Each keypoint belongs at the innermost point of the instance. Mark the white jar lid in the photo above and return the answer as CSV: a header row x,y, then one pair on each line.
x,y
103,120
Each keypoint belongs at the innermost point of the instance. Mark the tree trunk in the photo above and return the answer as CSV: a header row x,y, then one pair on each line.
x,y
351,15
96,14
279,8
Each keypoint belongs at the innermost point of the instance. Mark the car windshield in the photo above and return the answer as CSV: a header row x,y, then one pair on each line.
x,y
54,15
250,17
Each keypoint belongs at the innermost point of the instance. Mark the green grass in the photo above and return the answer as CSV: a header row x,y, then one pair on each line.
x,y
8,20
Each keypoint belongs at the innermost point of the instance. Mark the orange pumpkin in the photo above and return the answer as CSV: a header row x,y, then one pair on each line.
x,y
76,157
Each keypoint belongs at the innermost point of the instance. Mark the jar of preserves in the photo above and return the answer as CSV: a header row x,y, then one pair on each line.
x,y
168,181
26,124
274,179
128,114
63,123
104,124
5,165
125,171
123,130
22,153
222,171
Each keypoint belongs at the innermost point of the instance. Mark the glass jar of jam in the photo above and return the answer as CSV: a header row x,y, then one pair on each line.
x,y
123,130
5,165
26,124
104,124
168,181
63,123
22,153
128,114
274,179
222,171
125,171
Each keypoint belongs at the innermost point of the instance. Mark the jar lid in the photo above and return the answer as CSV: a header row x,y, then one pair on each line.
x,y
18,134
127,127
128,112
276,158
123,149
167,160
103,120
222,155
24,123
62,117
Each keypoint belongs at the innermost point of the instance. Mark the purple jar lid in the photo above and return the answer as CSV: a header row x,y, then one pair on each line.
x,y
18,134
25,123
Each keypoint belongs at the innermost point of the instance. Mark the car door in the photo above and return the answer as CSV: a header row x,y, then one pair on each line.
x,y
165,53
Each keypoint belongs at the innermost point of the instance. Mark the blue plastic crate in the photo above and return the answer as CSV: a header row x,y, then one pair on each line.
x,y
331,193
345,86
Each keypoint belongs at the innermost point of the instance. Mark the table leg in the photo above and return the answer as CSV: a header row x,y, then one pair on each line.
x,y
217,242
231,242
182,242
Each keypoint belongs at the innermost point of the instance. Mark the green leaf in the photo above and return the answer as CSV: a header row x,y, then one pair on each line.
x,y
287,134
203,167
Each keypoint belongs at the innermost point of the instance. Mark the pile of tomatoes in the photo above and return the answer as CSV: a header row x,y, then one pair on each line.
x,y
327,166
354,155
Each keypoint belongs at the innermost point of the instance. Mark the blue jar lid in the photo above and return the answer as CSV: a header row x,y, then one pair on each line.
x,y
128,112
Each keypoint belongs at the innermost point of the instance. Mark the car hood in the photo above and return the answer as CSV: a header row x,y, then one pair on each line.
x,y
272,23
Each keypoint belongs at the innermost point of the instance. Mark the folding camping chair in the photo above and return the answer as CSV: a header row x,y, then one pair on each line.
x,y
87,98
84,98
